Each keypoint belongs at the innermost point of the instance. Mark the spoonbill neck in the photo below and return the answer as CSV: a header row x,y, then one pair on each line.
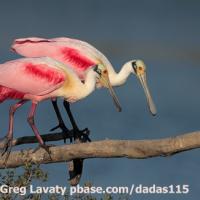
x,y
89,85
117,79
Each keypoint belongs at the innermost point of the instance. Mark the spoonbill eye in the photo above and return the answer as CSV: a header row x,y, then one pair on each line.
x,y
140,68
105,71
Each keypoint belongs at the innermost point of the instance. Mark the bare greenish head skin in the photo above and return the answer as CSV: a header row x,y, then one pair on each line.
x,y
102,71
139,69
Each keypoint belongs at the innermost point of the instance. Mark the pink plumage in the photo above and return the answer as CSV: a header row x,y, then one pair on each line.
x,y
8,93
65,50
42,71
75,58
28,76
37,79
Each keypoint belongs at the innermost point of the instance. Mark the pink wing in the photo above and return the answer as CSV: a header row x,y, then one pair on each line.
x,y
61,49
8,93
31,76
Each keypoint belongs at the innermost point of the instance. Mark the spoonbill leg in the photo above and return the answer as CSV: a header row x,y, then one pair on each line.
x,y
7,140
61,123
78,134
31,122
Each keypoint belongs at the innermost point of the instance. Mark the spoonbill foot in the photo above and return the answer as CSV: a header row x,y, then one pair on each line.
x,y
65,131
6,145
82,135
6,142
62,126
45,147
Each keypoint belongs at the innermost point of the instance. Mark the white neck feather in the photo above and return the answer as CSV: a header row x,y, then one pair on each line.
x,y
89,85
120,78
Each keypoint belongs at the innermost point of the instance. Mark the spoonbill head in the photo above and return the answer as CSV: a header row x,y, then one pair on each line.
x,y
138,68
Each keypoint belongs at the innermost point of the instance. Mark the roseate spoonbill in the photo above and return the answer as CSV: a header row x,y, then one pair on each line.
x,y
81,56
37,79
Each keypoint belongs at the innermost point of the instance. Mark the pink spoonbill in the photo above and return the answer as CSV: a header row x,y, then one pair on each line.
x,y
81,56
37,79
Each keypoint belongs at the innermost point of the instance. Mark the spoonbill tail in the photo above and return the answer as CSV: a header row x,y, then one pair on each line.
x,y
81,56
37,79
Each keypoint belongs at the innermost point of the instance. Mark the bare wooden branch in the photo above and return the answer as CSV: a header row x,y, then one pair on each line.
x,y
45,137
138,149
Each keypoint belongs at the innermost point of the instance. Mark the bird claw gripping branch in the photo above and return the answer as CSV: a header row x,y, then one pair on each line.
x,y
7,146
83,135
46,147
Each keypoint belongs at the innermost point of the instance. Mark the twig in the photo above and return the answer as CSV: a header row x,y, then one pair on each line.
x,y
45,137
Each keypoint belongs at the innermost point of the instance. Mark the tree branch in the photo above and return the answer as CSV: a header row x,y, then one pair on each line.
x,y
46,137
138,149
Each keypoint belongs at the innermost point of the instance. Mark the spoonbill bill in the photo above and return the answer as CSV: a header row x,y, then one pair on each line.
x,y
37,79
81,56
